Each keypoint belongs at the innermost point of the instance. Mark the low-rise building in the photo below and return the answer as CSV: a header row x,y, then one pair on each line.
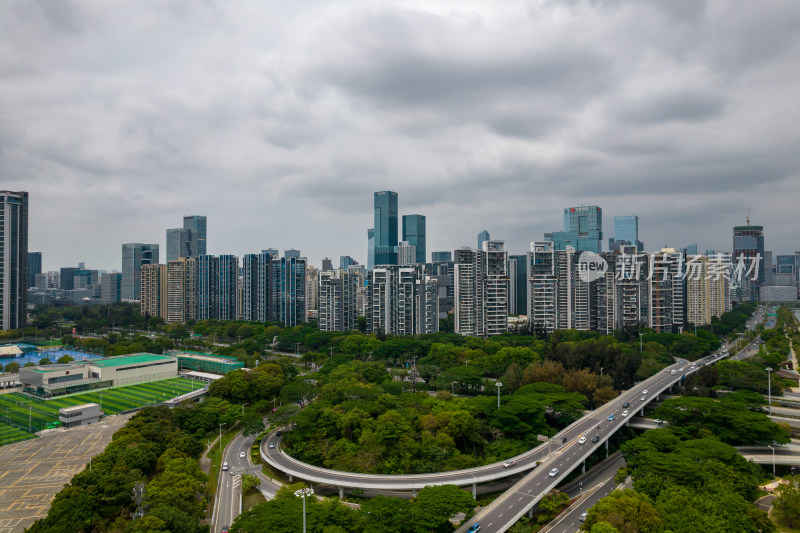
x,y
79,415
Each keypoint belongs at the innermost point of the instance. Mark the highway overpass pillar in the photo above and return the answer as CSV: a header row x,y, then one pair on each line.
x,y
341,493
475,490
583,468
291,478
530,512
606,446
642,413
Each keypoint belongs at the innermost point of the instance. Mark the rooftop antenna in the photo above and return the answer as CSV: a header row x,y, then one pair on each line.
x,y
748,214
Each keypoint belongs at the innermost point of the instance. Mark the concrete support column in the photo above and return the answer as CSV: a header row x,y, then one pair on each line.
x,y
583,468
530,512
291,478
341,493
642,412
606,446
475,490
414,493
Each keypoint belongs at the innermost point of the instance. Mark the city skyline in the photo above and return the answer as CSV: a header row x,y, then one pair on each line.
x,y
121,118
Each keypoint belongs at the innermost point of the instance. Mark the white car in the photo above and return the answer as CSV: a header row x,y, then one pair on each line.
x,y
225,466
242,455
583,517
509,464
644,391
553,472
582,440
624,413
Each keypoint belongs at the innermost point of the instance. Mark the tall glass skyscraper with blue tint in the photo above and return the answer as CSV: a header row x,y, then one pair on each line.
x,y
385,228
414,233
483,236
583,229
626,228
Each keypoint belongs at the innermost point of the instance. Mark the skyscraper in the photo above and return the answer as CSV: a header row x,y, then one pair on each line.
x,y
255,287
406,253
414,234
518,285
177,243
134,255
34,267
748,242
370,248
207,287
13,259
196,226
583,229
287,294
385,228
110,287
403,301
441,257
483,236
626,233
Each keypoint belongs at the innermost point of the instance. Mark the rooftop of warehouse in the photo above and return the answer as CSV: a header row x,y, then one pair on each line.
x,y
132,359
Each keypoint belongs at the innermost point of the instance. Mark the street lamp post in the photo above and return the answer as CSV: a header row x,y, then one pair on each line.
x,y
499,386
640,342
601,373
769,388
303,493
773,458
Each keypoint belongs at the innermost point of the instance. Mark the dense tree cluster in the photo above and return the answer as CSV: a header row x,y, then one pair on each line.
x,y
429,512
151,450
361,422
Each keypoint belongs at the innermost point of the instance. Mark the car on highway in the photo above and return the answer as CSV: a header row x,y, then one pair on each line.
x,y
224,529
271,444
624,413
242,455
553,472
582,440
643,398
474,527
225,466
583,517
625,404
610,417
509,463
596,438
644,391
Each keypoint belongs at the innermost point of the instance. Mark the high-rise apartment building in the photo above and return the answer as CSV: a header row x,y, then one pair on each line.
x,y
287,294
312,291
707,289
518,285
583,229
481,290
337,300
542,286
406,254
414,234
13,259
153,298
385,203
667,305
178,241
134,255
217,287
441,257
403,301
182,290
256,287
327,264
370,248
34,267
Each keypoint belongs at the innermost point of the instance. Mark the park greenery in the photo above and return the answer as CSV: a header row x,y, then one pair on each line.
x,y
428,512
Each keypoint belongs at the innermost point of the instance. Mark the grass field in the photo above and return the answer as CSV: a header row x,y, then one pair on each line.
x,y
10,434
20,411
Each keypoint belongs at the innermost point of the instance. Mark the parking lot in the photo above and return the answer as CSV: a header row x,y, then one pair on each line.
x,y
34,471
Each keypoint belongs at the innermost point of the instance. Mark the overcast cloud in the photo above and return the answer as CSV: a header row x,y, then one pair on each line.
x,y
278,120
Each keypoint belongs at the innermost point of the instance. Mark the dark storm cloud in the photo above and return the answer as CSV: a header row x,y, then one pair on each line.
x,y
279,120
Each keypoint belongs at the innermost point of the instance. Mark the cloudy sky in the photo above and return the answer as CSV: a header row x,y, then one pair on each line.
x,y
278,119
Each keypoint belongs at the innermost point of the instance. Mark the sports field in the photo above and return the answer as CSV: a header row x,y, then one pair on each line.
x,y
22,414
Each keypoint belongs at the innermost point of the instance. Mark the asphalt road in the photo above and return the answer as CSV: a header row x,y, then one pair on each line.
x,y
596,485
507,509
228,497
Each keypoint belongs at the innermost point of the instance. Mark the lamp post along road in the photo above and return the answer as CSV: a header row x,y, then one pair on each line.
x,y
769,388
773,458
499,386
302,493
